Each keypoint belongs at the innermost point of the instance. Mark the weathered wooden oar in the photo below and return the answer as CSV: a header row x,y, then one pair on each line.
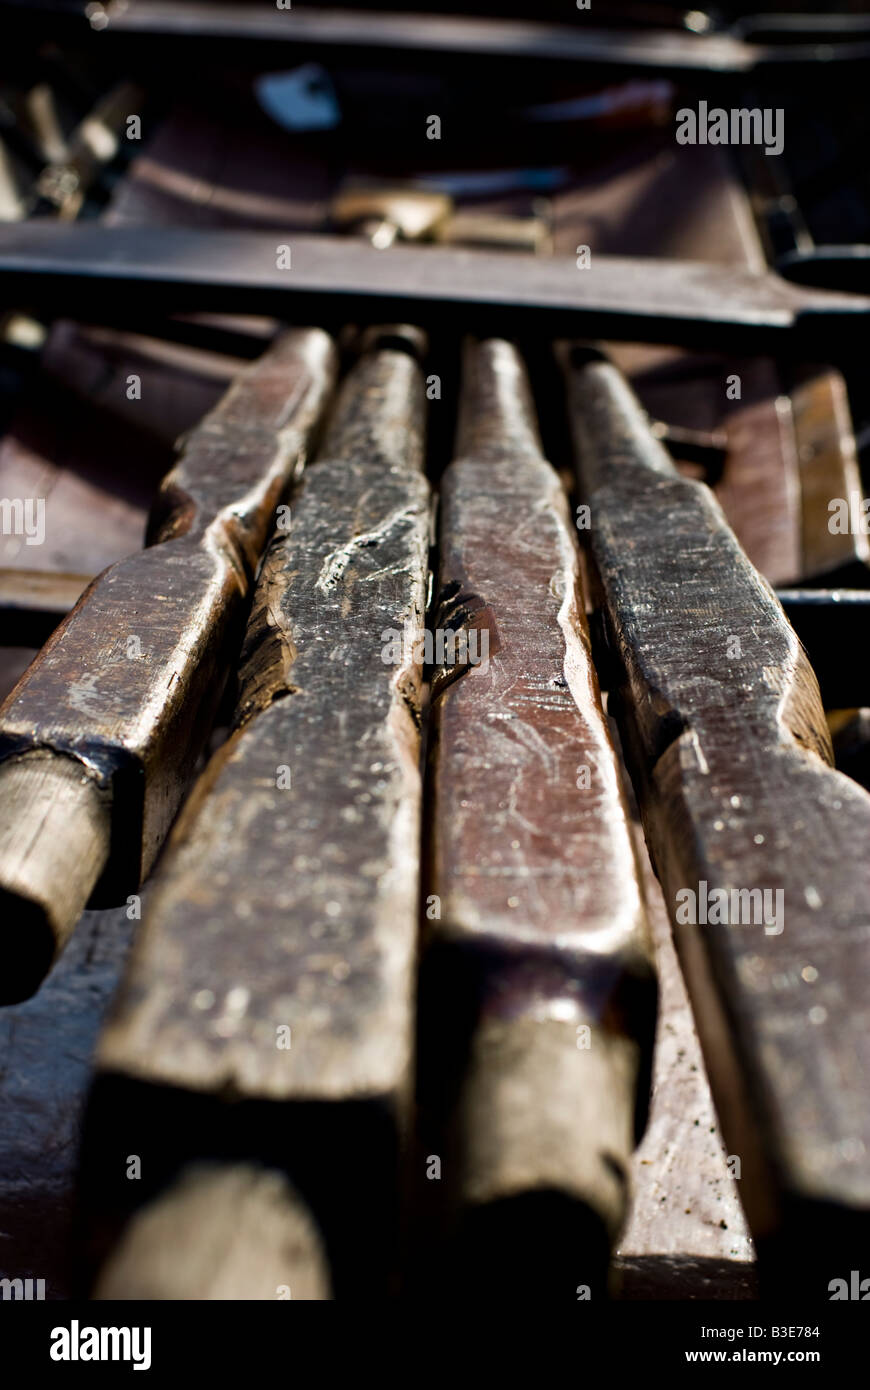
x,y
539,998
761,847
100,736
275,961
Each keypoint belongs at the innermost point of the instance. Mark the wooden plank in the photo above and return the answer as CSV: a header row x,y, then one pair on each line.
x,y
760,487
109,272
828,460
726,740
275,962
33,602
538,967
127,685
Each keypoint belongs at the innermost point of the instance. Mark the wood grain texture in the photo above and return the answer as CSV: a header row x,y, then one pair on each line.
x,y
128,684
725,736
541,932
276,958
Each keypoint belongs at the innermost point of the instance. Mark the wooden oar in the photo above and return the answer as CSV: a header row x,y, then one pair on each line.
x,y
100,736
538,994
760,846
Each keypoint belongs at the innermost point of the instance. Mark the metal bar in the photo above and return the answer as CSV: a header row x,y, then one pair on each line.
x,y
101,274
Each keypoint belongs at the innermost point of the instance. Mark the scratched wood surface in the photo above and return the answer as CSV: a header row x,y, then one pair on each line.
x,y
539,955
304,832
730,754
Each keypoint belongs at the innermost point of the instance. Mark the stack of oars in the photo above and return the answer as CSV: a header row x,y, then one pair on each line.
x,y
259,1066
